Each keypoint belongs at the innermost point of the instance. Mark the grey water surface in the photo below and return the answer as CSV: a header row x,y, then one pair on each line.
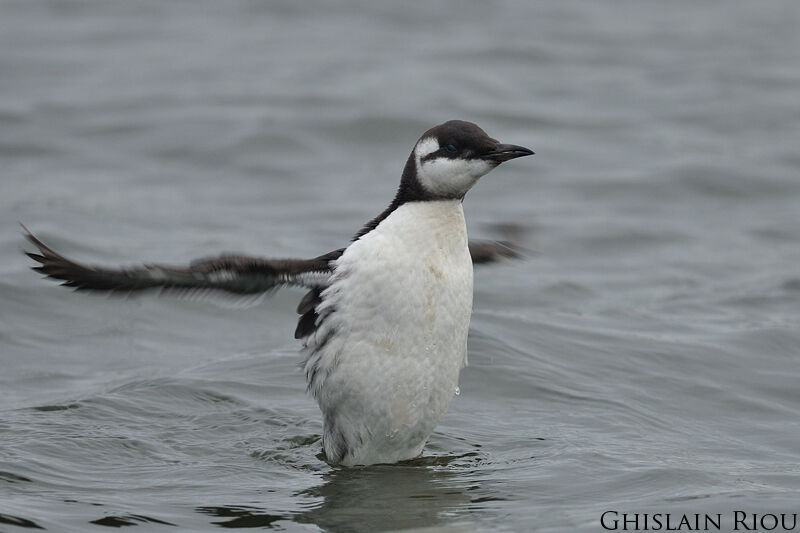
x,y
645,357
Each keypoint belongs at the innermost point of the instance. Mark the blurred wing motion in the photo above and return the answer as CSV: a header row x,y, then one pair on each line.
x,y
490,251
236,274
509,247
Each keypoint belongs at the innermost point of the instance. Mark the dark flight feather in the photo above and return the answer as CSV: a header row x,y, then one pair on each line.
x,y
235,274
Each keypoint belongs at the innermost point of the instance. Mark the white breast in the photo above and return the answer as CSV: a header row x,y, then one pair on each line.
x,y
385,360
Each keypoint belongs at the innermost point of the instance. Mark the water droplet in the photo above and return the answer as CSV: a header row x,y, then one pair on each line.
x,y
458,391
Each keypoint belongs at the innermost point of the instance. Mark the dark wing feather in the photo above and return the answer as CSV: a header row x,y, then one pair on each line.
x,y
235,274
231,273
511,245
490,251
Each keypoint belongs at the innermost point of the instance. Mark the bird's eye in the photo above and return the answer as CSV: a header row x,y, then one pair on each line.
x,y
451,148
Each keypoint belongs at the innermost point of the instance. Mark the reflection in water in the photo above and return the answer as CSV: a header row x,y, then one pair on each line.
x,y
385,497
412,494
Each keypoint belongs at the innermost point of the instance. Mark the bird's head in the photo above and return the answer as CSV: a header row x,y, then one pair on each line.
x,y
449,158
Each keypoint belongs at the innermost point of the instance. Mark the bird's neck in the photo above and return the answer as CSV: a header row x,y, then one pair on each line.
x,y
410,190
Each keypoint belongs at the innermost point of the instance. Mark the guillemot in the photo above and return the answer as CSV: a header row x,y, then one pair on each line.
x,y
384,322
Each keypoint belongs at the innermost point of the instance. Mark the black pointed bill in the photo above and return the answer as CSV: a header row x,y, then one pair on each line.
x,y
504,152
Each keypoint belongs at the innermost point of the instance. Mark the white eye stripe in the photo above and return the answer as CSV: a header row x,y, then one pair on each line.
x,y
426,146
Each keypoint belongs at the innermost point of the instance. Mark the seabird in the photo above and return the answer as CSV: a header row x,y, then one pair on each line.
x,y
384,322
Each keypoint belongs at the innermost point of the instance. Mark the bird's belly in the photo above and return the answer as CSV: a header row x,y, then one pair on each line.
x,y
397,372
398,342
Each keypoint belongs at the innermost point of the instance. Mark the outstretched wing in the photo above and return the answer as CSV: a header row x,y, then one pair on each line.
x,y
235,274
